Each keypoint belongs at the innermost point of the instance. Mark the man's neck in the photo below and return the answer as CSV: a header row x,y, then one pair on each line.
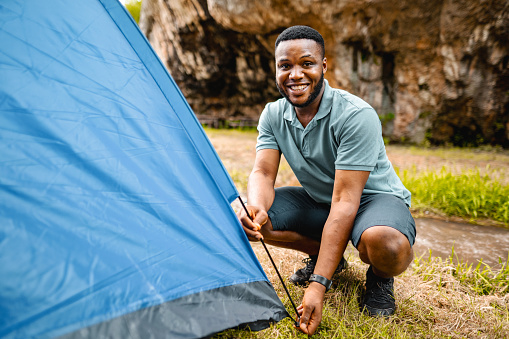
x,y
306,114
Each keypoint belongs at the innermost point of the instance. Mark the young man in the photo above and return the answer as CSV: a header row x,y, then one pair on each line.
x,y
333,143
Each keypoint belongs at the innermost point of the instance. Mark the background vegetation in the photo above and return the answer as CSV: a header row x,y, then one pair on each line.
x,y
134,7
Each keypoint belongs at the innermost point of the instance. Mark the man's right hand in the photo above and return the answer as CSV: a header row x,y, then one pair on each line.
x,y
253,227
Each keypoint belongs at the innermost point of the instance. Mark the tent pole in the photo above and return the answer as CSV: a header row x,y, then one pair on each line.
x,y
297,322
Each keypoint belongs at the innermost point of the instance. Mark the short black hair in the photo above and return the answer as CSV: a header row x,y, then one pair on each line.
x,y
301,32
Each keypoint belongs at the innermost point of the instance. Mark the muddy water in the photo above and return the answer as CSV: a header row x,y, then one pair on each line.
x,y
471,242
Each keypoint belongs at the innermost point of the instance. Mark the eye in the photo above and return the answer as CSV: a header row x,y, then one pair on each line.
x,y
284,66
308,64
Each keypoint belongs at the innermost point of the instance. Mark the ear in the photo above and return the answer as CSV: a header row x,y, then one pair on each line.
x,y
324,65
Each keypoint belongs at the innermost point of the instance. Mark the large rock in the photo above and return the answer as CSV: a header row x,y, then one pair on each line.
x,y
434,70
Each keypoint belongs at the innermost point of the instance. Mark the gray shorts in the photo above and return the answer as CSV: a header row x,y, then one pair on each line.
x,y
294,210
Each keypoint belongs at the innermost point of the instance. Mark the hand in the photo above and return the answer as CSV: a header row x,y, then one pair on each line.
x,y
253,225
310,311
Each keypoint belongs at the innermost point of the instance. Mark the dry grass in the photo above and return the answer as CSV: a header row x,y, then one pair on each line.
x,y
433,305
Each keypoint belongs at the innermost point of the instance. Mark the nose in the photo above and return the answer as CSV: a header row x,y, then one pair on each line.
x,y
296,73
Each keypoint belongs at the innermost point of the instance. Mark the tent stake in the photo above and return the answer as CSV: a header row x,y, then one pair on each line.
x,y
297,322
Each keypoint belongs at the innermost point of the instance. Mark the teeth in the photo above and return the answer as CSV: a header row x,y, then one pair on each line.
x,y
299,87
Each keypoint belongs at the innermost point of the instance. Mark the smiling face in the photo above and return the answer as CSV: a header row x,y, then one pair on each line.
x,y
300,67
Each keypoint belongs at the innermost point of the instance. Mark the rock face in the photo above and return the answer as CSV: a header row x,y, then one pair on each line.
x,y
434,70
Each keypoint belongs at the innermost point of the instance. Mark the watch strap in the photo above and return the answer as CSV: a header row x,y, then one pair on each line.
x,y
321,280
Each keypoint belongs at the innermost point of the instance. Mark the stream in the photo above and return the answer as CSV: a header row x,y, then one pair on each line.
x,y
471,242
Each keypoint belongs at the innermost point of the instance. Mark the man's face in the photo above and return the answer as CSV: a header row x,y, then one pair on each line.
x,y
299,71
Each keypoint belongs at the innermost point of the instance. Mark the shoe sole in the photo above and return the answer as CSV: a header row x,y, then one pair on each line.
x,y
378,312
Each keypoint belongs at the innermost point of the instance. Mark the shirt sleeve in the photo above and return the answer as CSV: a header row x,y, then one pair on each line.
x,y
359,141
266,138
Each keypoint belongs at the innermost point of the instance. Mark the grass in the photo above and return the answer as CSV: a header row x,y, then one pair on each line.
x,y
480,154
470,195
436,298
480,279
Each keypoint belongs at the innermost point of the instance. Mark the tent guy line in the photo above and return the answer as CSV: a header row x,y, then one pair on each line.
x,y
297,321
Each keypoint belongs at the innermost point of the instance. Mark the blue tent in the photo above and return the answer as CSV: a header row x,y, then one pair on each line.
x,y
115,217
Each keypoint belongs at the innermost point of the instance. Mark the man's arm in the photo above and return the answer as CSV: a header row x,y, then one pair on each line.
x,y
348,187
260,191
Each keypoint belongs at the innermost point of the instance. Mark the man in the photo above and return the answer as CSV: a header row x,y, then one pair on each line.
x,y
333,143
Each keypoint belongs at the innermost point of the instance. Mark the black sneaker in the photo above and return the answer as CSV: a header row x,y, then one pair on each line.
x,y
379,296
301,277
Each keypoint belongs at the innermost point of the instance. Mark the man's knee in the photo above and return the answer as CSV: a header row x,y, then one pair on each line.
x,y
385,248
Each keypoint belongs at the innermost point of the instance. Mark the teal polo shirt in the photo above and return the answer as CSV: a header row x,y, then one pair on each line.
x,y
345,134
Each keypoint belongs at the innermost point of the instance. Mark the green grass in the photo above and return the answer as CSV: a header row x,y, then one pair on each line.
x,y
481,279
468,195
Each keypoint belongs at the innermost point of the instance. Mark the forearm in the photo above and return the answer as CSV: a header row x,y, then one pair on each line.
x,y
335,237
348,187
260,190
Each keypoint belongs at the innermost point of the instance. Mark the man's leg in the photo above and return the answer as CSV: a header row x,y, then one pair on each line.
x,y
386,249
383,233
388,252
296,221
289,239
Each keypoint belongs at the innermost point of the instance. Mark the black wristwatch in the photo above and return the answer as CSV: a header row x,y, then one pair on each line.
x,y
322,280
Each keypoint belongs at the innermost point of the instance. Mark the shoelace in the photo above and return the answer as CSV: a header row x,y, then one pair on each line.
x,y
384,294
310,265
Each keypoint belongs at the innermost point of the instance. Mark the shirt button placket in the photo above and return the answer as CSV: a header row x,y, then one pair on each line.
x,y
305,149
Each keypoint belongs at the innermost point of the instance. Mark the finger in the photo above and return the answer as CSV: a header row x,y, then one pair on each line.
x,y
263,221
300,309
304,318
303,327
248,223
315,319
260,219
252,234
313,325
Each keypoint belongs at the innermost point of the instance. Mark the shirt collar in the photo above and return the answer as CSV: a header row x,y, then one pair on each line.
x,y
323,110
326,104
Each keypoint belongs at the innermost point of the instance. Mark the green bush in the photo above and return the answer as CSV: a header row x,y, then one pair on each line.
x,y
134,7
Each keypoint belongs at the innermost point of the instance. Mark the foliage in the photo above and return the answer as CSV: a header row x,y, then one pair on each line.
x,y
386,118
468,195
134,7
481,279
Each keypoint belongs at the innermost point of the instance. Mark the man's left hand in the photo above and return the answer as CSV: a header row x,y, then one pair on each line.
x,y
310,311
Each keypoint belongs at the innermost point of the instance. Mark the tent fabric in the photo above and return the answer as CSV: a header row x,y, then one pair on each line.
x,y
230,307
114,206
